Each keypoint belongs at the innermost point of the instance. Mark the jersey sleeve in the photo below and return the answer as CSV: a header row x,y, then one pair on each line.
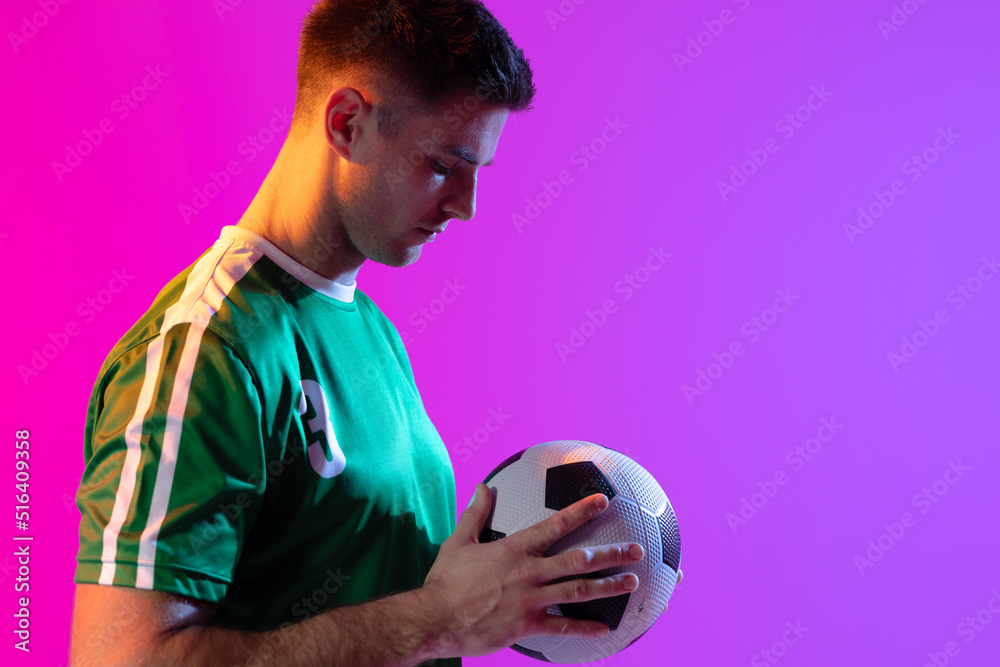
x,y
175,469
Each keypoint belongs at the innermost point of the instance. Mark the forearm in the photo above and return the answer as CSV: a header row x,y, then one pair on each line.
x,y
400,630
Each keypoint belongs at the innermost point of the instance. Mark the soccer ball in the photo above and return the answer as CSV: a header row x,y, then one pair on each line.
x,y
537,482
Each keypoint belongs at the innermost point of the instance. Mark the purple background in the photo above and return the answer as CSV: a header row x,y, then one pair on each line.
x,y
683,126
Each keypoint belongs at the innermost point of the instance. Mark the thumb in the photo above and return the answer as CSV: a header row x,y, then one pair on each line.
x,y
474,517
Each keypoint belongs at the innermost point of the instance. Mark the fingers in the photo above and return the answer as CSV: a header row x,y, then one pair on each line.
x,y
582,590
544,533
589,559
560,626
585,590
474,517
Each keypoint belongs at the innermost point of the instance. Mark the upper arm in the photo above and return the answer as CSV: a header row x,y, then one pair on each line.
x,y
118,625
174,476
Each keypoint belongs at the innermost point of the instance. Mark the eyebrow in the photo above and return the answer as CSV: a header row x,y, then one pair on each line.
x,y
463,153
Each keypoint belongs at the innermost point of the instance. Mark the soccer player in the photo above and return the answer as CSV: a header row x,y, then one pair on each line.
x,y
263,485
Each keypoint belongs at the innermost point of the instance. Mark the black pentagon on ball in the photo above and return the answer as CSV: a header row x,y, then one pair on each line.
x,y
670,536
503,464
537,655
568,483
490,535
606,610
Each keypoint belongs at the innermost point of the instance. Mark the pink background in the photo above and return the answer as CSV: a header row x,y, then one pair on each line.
x,y
682,129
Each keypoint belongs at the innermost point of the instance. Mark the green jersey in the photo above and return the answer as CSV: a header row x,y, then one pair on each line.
x,y
257,440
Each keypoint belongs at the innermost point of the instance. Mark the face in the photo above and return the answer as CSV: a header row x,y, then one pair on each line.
x,y
398,193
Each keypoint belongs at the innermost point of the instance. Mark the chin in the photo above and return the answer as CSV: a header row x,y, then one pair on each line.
x,y
398,259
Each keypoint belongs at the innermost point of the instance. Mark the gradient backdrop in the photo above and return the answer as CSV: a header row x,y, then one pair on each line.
x,y
829,169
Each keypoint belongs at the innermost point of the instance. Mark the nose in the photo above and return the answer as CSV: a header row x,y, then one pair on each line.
x,y
460,202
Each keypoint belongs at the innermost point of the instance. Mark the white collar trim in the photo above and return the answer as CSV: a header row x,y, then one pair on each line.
x,y
317,282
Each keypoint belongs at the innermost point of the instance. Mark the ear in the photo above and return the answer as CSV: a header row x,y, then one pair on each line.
x,y
347,118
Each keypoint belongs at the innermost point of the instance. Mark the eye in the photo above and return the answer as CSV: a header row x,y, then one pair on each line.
x,y
440,168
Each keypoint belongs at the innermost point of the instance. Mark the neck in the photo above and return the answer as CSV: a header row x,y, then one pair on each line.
x,y
295,209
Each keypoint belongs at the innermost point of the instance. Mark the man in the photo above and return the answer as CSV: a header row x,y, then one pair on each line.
x,y
263,485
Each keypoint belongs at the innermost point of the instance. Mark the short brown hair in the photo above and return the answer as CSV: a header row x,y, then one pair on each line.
x,y
415,51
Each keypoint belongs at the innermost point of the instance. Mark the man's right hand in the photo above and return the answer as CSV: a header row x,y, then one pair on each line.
x,y
492,595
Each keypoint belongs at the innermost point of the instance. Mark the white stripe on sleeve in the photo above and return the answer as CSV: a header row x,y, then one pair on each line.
x,y
205,289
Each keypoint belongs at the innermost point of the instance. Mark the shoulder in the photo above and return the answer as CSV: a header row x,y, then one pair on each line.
x,y
212,296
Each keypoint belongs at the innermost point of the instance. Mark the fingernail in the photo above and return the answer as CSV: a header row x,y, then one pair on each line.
x,y
631,582
635,551
602,501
